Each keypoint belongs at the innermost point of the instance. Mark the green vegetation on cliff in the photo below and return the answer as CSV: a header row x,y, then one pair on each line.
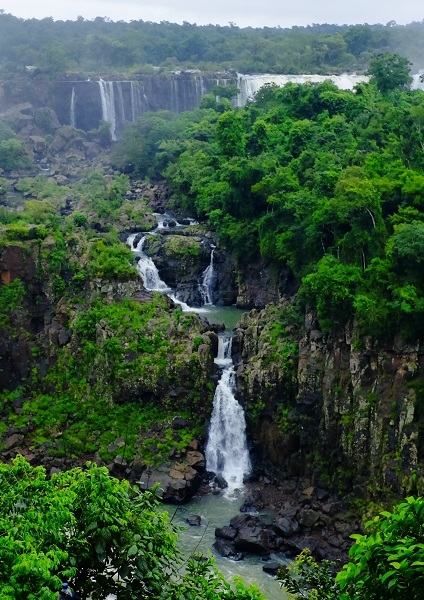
x,y
326,181
103,367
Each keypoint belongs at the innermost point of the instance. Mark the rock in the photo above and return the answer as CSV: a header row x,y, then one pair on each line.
x,y
307,517
253,502
195,459
226,533
227,549
13,440
285,527
220,482
271,567
179,423
194,520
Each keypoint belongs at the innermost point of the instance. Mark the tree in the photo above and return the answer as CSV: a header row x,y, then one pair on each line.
x,y
99,532
13,155
389,71
389,561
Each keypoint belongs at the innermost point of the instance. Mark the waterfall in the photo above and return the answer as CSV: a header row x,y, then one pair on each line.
x,y
147,268
206,287
107,98
72,120
249,85
226,450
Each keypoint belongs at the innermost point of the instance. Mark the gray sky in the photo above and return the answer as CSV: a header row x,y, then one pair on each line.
x,y
244,13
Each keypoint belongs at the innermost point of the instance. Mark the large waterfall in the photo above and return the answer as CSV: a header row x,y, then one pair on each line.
x,y
226,451
249,85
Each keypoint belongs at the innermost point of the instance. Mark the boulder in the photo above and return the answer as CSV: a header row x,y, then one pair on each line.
x,y
227,549
226,533
285,527
194,520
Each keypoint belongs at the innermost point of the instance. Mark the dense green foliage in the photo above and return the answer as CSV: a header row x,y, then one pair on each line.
x,y
305,579
101,533
55,47
389,561
326,181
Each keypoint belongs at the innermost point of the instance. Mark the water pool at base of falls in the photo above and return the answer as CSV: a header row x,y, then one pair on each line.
x,y
216,511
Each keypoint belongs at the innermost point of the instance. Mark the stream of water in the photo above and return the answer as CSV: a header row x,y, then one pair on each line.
x,y
226,452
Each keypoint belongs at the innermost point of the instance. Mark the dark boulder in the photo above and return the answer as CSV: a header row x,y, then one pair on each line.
x,y
227,549
226,533
194,520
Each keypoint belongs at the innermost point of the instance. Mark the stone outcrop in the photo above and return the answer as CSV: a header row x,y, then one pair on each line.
x,y
300,521
341,409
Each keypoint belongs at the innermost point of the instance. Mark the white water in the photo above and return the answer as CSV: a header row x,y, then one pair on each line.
x,y
147,268
107,98
206,287
72,120
226,450
249,85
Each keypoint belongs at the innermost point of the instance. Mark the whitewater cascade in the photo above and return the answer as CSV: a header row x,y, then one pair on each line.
x,y
107,98
147,268
226,450
249,85
206,287
72,109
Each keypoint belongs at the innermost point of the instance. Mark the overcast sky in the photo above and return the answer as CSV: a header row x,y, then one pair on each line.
x,y
244,13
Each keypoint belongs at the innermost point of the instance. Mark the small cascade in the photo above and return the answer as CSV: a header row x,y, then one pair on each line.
x,y
72,120
121,104
226,450
107,98
147,268
208,279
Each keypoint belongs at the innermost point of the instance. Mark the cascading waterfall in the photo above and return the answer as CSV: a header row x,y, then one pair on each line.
x,y
147,268
72,120
226,450
107,98
206,287
249,85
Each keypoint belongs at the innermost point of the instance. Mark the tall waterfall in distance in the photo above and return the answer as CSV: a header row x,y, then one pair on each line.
x,y
107,98
206,287
249,85
226,450
72,120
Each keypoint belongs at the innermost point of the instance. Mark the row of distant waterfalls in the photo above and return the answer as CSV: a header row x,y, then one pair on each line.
x,y
227,454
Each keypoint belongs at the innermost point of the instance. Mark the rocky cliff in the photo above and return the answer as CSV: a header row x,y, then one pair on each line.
x,y
344,410
84,103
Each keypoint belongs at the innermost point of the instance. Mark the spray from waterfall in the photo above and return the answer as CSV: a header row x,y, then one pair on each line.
x,y
226,450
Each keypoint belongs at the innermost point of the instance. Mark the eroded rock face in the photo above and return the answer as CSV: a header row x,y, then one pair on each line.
x,y
346,402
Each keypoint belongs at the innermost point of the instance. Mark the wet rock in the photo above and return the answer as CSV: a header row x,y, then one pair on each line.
x,y
253,503
227,549
271,567
220,481
286,527
194,520
226,533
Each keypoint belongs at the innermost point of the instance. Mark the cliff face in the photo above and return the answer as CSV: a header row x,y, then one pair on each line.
x,y
345,410
85,103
